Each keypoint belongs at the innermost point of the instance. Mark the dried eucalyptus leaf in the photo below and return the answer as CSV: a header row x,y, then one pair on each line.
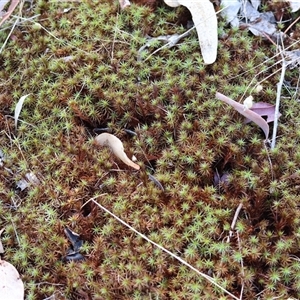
x,y
116,146
249,114
265,109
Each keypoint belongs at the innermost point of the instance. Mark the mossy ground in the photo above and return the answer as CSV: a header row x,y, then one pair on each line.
x,y
82,73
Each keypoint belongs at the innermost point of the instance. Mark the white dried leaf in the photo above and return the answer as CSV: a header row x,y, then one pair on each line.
x,y
206,23
11,286
116,146
19,108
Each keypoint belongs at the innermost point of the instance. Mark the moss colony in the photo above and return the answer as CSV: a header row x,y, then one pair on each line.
x,y
80,62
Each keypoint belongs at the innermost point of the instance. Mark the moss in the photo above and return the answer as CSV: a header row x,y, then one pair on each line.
x,y
81,68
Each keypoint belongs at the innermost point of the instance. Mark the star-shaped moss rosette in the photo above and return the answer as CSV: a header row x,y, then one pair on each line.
x,y
205,21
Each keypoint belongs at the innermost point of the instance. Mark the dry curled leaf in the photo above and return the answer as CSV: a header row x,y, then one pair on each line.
x,y
19,108
11,286
249,114
206,23
116,146
265,110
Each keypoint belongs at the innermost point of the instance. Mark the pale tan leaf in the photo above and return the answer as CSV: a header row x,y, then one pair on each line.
x,y
116,146
11,286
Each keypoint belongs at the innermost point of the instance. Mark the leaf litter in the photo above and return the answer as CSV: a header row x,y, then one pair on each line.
x,y
116,146
249,114
246,14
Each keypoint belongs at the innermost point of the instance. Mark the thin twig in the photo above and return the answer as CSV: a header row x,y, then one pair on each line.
x,y
210,279
242,264
8,36
285,32
17,237
278,95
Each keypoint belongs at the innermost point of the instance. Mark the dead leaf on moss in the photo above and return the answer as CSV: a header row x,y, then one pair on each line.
x,y
246,14
11,286
265,110
19,108
249,114
116,146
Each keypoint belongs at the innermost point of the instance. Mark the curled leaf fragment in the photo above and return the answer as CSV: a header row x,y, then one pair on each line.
x,y
19,108
116,146
249,114
205,20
